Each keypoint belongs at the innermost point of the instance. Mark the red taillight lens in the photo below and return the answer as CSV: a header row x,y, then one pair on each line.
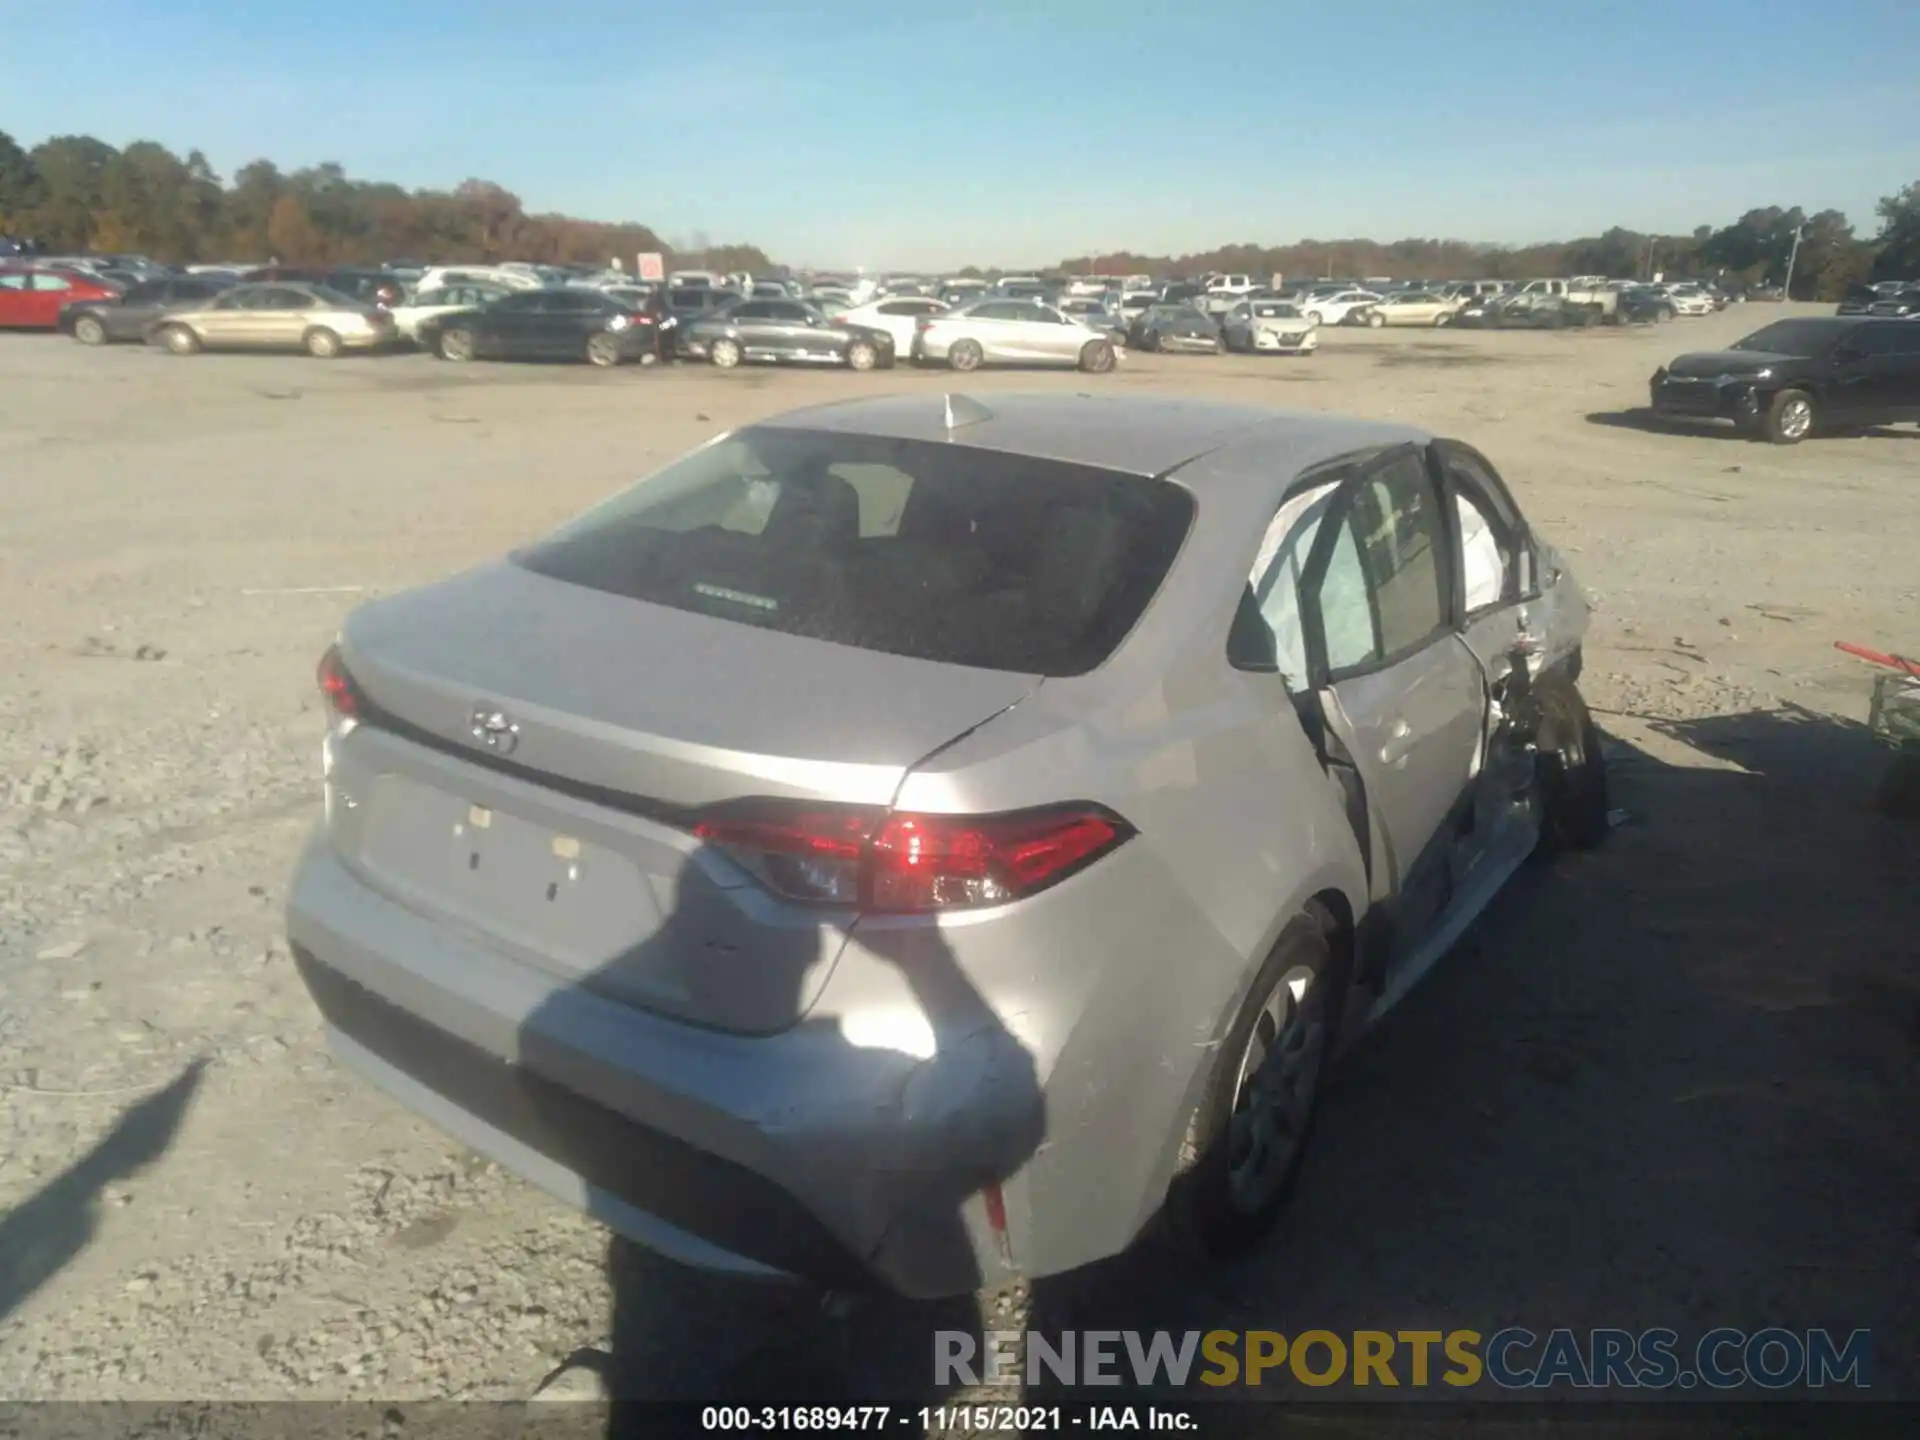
x,y
336,685
925,322
911,863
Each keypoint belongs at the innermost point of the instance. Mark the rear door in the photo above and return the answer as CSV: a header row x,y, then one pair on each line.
x,y
47,292
1401,694
1046,334
1872,379
573,315
277,316
15,302
510,327
995,328
790,331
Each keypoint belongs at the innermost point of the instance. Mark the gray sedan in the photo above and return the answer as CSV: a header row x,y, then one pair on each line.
x,y
934,841
133,314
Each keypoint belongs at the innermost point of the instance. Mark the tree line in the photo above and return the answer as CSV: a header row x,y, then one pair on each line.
x,y
1755,250
77,193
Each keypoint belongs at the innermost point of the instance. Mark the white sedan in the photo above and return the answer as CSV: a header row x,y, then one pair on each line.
x,y
1333,309
898,315
1688,301
1269,327
426,304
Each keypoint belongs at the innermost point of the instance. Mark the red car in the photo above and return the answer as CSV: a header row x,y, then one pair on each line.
x,y
32,296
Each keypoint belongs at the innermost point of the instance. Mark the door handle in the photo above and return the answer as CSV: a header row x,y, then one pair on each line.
x,y
1399,743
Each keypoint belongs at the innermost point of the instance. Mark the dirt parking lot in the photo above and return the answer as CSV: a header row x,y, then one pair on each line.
x,y
1670,1083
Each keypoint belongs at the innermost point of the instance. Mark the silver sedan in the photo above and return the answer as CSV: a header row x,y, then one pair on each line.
x,y
1004,331
935,841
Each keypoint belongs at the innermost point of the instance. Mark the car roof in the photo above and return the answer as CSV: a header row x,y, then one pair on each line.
x,y
1138,435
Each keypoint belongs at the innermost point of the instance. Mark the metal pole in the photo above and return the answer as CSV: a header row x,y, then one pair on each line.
x,y
1786,290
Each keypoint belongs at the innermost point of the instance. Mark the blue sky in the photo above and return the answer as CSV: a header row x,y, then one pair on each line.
x,y
845,132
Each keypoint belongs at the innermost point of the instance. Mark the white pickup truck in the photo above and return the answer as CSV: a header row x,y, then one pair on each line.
x,y
1583,293
1223,292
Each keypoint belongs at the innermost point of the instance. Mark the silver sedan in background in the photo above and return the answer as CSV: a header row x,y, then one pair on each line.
x,y
929,841
1005,331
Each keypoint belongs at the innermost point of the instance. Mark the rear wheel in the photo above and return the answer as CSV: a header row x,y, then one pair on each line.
x,y
178,339
321,343
603,350
1376,320
456,345
89,330
965,355
725,353
860,356
1245,1144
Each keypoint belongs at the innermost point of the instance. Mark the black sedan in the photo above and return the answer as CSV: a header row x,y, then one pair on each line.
x,y
776,331
1794,377
132,314
549,324
1175,328
1644,305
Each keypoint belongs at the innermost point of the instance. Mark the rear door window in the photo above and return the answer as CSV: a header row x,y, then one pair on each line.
x,y
932,550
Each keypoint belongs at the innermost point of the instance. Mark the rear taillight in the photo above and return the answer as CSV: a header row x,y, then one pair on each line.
x,y
910,863
337,689
925,322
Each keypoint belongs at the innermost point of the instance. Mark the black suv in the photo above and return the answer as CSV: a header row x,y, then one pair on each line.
x,y
1796,376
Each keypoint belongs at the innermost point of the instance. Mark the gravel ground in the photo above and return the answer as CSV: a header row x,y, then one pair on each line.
x,y
1673,1082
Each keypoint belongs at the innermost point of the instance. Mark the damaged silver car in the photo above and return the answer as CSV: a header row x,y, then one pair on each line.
x,y
923,841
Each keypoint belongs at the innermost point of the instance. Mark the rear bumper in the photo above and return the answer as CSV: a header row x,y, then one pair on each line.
x,y
794,1154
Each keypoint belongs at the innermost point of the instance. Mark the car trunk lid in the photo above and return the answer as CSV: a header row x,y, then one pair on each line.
x,y
535,754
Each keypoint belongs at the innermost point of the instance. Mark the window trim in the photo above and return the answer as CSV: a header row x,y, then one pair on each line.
x,y
1321,674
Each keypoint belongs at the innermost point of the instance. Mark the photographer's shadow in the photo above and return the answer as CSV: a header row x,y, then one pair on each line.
x,y
902,1143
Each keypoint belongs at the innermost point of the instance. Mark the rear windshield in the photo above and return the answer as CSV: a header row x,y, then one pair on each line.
x,y
937,551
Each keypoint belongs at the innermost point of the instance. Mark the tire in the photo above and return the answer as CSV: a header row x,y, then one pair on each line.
x,y
725,354
965,355
456,345
1573,770
1096,357
1442,320
603,350
89,330
178,340
321,343
861,356
1315,317
1235,1174
1790,417
1376,321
